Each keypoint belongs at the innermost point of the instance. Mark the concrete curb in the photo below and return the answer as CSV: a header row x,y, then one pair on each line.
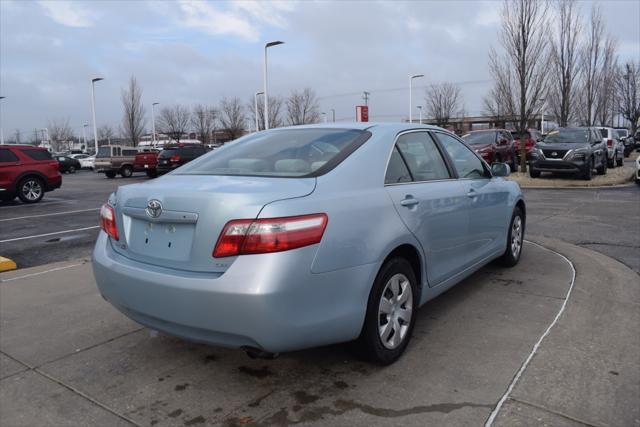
x,y
6,264
622,182
586,370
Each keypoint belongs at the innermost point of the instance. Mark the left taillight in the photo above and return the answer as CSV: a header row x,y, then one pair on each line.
x,y
108,221
244,237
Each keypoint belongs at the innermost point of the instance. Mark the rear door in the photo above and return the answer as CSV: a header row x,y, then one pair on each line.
x,y
430,201
8,169
487,198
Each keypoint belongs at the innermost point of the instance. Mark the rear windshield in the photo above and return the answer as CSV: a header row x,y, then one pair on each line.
x,y
281,153
38,154
578,136
603,132
168,152
104,152
480,138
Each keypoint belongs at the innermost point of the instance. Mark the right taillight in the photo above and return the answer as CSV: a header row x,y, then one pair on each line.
x,y
609,142
108,221
174,159
243,237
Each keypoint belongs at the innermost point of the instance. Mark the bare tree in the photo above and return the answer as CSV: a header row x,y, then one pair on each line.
x,y
443,101
17,136
520,74
592,59
606,97
60,133
232,117
105,133
203,121
133,120
275,112
302,107
628,88
565,62
173,121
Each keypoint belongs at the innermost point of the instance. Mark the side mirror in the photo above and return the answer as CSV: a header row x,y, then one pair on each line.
x,y
500,169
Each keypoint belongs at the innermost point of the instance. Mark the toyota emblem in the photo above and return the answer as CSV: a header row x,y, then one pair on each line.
x,y
154,208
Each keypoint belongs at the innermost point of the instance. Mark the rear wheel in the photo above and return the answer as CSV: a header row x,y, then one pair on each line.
x,y
110,174
126,171
515,238
152,173
514,163
31,190
391,313
620,160
534,173
72,169
602,169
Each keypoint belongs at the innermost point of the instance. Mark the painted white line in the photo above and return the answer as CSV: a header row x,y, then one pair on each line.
x,y
48,234
45,202
39,273
534,350
49,214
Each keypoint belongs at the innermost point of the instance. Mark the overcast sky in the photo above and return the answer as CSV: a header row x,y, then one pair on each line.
x,y
199,52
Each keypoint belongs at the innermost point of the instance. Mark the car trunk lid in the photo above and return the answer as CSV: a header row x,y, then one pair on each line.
x,y
175,221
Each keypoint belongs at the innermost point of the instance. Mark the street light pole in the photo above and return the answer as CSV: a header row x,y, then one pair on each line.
x,y
1,134
84,135
419,107
266,96
333,113
153,122
411,77
324,117
93,110
255,105
542,118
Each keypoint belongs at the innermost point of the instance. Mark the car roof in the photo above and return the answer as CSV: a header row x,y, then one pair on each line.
x,y
364,126
21,146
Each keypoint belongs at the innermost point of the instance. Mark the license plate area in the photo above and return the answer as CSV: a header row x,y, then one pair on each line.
x,y
162,240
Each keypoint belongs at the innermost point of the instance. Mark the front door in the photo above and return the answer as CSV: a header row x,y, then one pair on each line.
x,y
431,203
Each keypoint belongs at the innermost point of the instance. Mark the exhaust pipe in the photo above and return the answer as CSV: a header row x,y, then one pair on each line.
x,y
256,353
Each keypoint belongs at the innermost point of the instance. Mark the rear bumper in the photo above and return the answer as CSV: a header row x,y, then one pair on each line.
x,y
53,183
166,168
271,301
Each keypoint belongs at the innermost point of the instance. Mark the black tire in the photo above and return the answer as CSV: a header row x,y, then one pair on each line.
x,y
602,169
30,189
587,174
620,161
512,253
152,173
611,163
126,171
533,173
110,174
514,163
370,344
72,169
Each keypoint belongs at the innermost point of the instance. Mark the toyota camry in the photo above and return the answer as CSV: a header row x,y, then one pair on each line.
x,y
304,236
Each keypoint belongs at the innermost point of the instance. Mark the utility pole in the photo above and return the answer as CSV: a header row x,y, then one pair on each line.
x,y
266,92
333,113
366,97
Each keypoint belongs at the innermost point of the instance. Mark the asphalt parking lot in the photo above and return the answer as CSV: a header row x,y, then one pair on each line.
x,y
68,358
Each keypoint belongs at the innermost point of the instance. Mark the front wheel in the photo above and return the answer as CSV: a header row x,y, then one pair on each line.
x,y
515,237
126,171
514,163
602,169
588,172
391,313
534,173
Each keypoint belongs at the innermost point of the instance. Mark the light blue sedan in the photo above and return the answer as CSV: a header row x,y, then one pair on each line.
x,y
305,236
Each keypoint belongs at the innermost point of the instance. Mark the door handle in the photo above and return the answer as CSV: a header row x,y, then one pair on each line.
x,y
472,193
409,201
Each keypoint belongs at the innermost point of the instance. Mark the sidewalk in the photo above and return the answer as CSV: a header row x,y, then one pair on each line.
x,y
68,358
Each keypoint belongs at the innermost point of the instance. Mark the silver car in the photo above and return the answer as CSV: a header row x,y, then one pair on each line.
x,y
305,236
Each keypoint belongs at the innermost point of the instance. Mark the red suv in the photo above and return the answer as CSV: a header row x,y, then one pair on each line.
x,y
27,172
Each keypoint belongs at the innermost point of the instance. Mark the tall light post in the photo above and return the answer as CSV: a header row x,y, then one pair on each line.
x,y
84,135
324,117
542,118
419,107
333,114
255,106
1,134
93,110
411,77
153,122
266,96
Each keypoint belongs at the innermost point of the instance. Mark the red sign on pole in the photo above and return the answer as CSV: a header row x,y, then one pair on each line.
x,y
362,113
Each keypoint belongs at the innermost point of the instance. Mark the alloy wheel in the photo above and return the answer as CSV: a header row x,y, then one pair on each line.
x,y
516,236
395,311
32,189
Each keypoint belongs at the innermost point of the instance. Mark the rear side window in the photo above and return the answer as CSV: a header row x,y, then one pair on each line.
x,y
280,153
168,152
6,156
38,154
466,162
129,152
422,157
397,169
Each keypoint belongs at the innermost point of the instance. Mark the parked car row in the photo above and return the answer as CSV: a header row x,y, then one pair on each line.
x,y
114,159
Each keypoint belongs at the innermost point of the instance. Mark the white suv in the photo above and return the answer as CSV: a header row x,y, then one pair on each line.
x,y
615,146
